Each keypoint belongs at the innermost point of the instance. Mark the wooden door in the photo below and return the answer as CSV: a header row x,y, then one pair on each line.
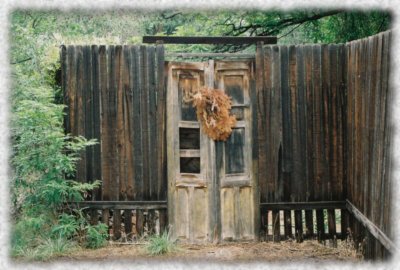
x,y
210,184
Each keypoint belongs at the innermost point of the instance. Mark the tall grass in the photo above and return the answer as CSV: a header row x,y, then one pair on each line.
x,y
160,244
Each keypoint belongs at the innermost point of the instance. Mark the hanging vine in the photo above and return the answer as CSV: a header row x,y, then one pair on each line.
x,y
213,111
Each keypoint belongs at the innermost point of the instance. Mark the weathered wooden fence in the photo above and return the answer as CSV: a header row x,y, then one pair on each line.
x,y
322,137
301,119
368,138
116,95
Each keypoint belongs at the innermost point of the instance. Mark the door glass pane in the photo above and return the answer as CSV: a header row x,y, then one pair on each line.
x,y
186,86
234,88
238,113
234,152
190,164
189,138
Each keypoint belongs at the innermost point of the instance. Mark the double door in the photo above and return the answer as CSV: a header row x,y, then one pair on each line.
x,y
211,194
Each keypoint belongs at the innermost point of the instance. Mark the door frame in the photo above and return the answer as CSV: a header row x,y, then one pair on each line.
x,y
211,175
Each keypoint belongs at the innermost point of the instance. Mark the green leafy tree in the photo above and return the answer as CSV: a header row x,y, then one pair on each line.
x,y
297,26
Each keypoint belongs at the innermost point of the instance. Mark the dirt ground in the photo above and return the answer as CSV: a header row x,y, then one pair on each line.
x,y
228,252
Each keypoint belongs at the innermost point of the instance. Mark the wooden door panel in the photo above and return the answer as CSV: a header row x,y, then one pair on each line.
x,y
236,178
245,213
208,201
187,156
200,214
227,214
182,213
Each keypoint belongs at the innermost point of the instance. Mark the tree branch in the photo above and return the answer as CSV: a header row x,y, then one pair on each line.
x,y
21,61
291,30
171,16
282,23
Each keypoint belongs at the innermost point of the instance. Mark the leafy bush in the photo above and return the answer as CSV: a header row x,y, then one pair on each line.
x,y
160,244
67,227
96,235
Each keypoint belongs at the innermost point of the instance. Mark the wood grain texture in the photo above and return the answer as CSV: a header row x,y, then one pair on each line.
x,y
114,94
322,119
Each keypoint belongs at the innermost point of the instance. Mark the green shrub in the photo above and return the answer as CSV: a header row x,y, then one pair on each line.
x,y
96,235
67,227
160,244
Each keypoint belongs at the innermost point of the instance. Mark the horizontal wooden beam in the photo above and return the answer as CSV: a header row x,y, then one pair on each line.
x,y
210,55
372,228
145,205
189,153
209,40
304,205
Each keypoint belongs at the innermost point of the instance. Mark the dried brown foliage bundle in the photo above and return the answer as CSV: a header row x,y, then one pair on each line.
x,y
212,108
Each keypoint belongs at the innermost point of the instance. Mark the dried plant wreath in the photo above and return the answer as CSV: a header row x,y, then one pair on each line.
x,y
213,111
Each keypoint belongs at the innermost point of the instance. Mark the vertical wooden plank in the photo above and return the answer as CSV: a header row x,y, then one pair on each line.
x,y
144,115
287,163
128,123
139,222
349,131
72,58
128,224
114,125
116,224
105,136
331,223
320,225
96,161
123,123
259,139
288,224
80,111
384,222
342,118
296,181
344,220
276,226
263,224
213,189
64,59
151,222
267,169
162,216
88,110
324,112
300,159
334,133
370,74
105,218
309,130
363,129
377,119
309,223
315,138
161,121
358,114
118,183
137,131
152,121
261,124
275,163
298,225
317,123
107,142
